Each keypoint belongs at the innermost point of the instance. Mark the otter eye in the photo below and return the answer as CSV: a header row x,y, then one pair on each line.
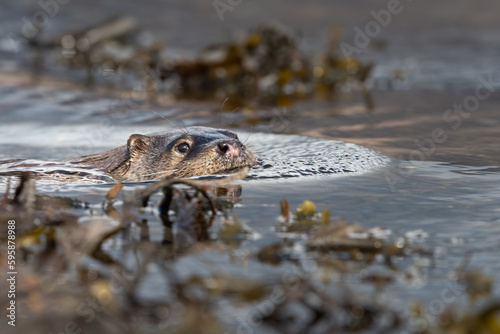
x,y
182,147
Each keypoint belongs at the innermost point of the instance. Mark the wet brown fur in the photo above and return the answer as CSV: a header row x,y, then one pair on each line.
x,y
156,156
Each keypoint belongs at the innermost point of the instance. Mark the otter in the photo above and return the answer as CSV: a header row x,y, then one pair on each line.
x,y
182,153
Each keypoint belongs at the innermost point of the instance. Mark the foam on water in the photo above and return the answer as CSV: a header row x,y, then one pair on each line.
x,y
294,156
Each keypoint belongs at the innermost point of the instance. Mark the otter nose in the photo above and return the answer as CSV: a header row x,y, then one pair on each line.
x,y
231,149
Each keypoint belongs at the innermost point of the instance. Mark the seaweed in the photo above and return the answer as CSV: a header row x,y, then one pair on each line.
x,y
266,67
92,270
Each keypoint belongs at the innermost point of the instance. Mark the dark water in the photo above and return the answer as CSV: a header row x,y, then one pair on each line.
x,y
449,190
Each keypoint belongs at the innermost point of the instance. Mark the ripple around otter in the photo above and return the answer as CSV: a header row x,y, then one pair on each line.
x,y
282,156
294,156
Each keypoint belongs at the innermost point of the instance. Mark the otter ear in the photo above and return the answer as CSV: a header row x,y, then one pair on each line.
x,y
138,144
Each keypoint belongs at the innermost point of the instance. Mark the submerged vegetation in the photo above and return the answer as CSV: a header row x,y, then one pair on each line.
x,y
171,257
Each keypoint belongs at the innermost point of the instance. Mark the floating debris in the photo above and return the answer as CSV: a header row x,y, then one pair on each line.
x,y
306,210
304,219
234,232
477,285
344,236
272,254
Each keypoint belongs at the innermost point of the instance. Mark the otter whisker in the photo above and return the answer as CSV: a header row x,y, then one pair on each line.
x,y
115,141
251,132
249,141
229,117
157,113
185,127
220,110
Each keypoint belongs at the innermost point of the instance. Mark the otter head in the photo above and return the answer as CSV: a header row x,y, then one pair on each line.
x,y
192,152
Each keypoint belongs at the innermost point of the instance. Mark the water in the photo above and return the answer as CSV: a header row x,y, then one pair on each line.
x,y
454,204
450,195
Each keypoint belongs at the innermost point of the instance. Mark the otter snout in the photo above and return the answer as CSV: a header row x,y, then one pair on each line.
x,y
231,149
